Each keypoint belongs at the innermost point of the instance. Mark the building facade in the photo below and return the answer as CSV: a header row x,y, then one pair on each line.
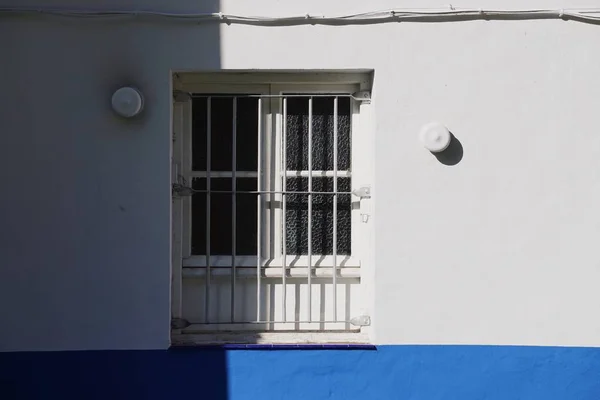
x,y
281,219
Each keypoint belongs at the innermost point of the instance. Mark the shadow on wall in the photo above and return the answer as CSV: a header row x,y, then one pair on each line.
x,y
453,154
185,372
153,374
83,61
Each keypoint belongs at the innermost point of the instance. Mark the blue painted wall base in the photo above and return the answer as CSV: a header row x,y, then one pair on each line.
x,y
390,372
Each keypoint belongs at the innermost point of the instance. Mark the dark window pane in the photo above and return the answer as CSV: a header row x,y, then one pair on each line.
x,y
222,133
199,115
247,133
322,217
246,217
322,133
221,217
199,217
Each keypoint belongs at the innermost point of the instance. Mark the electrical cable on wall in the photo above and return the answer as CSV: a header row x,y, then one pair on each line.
x,y
590,15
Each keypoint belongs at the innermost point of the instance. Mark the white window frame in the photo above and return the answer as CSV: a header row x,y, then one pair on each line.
x,y
272,261
271,258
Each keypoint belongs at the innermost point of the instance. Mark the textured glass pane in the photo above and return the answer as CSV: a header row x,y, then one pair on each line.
x,y
221,217
222,133
322,217
322,133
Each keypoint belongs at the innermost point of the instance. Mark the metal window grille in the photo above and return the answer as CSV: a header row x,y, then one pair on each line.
x,y
284,199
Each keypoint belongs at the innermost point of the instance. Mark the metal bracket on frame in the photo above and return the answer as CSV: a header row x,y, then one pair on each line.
x,y
179,96
179,187
180,190
364,96
363,192
361,320
179,323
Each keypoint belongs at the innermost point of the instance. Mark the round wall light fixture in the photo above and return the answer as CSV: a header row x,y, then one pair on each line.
x,y
435,137
127,102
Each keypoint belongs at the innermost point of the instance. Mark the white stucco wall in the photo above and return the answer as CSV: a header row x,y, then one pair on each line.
x,y
498,249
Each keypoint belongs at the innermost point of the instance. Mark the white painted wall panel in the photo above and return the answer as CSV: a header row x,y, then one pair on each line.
x,y
498,249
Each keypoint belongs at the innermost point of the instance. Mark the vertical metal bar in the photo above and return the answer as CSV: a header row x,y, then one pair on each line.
x,y
233,206
283,207
310,188
208,167
335,199
258,211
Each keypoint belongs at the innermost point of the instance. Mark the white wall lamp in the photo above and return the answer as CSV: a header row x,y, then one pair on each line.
x,y
435,137
127,102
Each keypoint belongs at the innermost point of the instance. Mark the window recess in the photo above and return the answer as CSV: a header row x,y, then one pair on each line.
x,y
268,211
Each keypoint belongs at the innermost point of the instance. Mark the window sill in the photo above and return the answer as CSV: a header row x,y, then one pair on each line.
x,y
272,272
342,261
271,339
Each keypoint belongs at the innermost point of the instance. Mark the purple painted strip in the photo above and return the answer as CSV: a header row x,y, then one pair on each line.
x,y
256,346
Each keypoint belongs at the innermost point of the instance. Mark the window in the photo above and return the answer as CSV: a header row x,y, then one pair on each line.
x,y
271,186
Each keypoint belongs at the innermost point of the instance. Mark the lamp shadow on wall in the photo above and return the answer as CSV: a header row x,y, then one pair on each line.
x,y
453,154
